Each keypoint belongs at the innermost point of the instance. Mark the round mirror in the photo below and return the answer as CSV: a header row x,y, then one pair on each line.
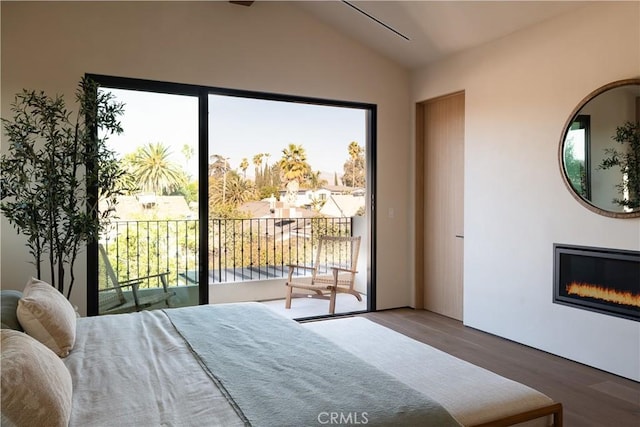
x,y
600,150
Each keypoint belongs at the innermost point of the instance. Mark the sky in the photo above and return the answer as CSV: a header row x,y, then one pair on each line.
x,y
240,128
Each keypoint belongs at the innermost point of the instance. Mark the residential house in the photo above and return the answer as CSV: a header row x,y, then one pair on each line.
x,y
340,205
148,206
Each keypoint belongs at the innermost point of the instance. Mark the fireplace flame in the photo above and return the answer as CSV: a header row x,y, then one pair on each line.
x,y
602,293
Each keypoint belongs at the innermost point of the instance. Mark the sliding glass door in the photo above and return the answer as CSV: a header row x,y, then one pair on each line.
x,y
148,257
224,189
154,236
282,173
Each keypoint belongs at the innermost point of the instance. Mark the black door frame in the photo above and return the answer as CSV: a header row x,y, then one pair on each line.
x,y
203,92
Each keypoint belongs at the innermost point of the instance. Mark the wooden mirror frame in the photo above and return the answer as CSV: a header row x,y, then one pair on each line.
x,y
586,203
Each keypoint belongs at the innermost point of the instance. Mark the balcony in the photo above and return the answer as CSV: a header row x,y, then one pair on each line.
x,y
247,258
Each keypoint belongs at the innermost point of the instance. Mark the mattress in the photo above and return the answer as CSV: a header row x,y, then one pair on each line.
x,y
136,369
471,394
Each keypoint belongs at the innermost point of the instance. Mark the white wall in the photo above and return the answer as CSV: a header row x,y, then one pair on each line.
x,y
519,93
270,46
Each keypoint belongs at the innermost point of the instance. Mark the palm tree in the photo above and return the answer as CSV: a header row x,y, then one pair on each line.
x,y
187,151
293,164
293,169
316,181
266,166
257,162
244,164
239,190
153,169
354,152
218,167
235,191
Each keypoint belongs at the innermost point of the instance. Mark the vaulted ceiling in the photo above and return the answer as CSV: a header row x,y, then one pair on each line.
x,y
416,33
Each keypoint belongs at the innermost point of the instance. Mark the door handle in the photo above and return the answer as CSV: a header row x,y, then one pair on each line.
x,y
459,236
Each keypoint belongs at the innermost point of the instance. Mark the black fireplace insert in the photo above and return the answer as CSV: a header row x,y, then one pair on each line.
x,y
598,279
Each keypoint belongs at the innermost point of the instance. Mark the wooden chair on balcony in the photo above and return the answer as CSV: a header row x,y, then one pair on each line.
x,y
333,272
113,300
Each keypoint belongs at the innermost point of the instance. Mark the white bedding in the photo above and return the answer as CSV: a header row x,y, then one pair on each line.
x,y
471,394
127,376
135,369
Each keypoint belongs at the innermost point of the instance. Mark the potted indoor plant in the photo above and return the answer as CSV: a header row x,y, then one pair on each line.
x,y
49,182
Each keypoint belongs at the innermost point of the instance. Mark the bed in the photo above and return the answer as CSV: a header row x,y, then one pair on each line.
x,y
242,364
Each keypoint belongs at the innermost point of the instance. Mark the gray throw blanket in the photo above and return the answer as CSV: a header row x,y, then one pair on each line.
x,y
277,373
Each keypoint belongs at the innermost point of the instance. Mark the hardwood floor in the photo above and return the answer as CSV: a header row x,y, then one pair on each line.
x,y
590,397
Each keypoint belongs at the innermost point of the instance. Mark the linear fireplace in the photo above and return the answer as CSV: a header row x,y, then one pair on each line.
x,y
597,279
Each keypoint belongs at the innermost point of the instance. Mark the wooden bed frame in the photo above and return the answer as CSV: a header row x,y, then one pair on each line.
x,y
346,331
554,410
107,351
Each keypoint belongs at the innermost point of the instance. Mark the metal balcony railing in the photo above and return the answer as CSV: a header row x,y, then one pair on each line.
x,y
238,249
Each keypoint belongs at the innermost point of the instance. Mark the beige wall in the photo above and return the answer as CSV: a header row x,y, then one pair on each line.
x,y
519,93
270,47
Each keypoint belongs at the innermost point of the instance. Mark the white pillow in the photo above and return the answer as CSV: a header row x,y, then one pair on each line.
x,y
36,386
46,315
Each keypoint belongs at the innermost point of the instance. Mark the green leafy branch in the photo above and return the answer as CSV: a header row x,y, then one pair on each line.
x,y
627,160
50,172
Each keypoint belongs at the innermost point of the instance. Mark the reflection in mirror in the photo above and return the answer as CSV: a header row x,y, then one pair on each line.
x,y
600,150
576,156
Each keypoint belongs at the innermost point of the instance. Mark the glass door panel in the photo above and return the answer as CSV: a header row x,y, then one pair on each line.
x,y
148,257
280,174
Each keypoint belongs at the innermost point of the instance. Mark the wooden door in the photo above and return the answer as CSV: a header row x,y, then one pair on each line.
x,y
439,204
